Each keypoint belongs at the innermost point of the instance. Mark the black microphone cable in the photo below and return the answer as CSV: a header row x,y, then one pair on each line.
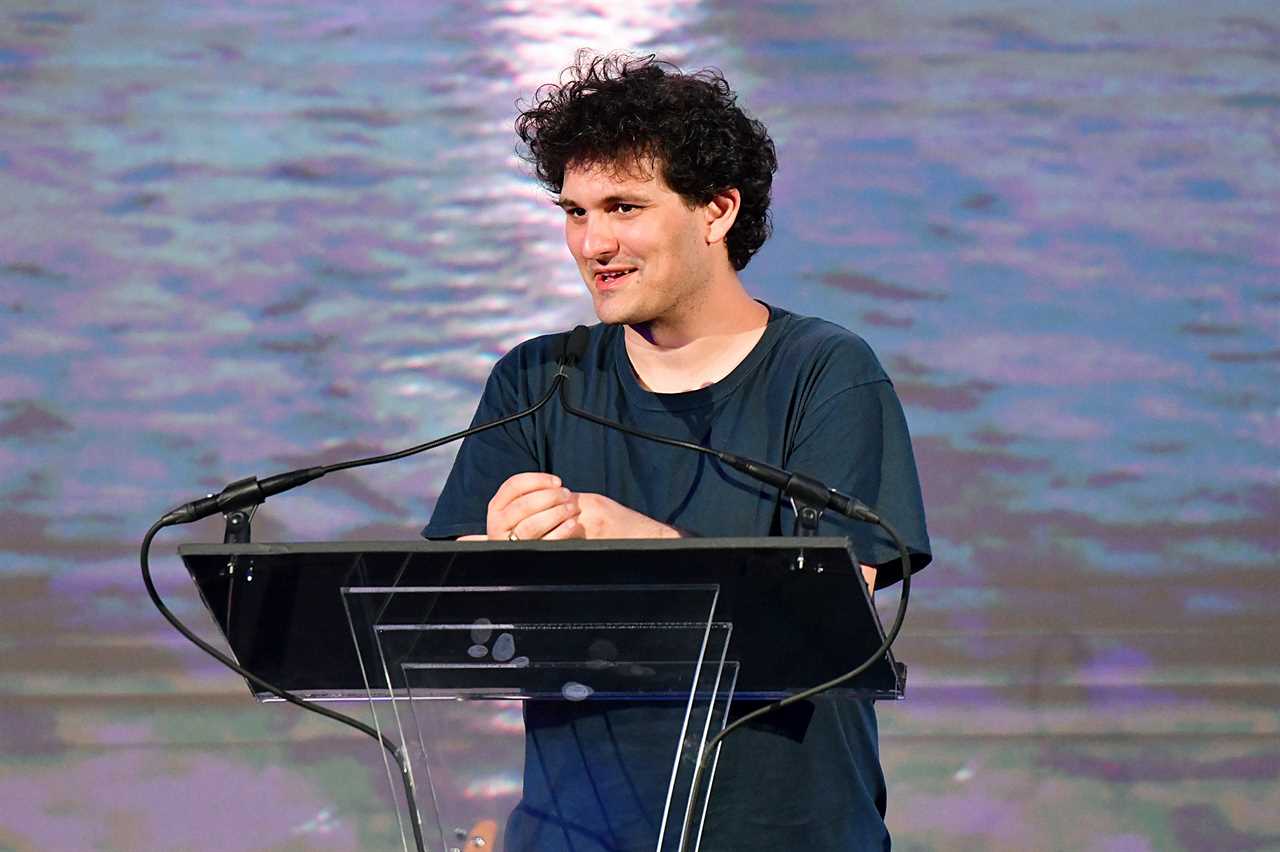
x,y
251,492
709,750
801,488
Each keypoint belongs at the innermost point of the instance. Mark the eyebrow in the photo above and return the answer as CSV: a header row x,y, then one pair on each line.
x,y
569,203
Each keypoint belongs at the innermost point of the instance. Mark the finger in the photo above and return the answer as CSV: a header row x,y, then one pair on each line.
x,y
520,484
536,501
539,524
499,523
569,528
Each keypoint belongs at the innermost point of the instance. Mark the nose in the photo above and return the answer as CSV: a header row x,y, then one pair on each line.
x,y
598,239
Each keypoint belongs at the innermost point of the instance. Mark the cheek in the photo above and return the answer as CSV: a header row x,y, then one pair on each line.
x,y
639,242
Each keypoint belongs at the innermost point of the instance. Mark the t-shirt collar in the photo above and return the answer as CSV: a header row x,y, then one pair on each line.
x,y
641,397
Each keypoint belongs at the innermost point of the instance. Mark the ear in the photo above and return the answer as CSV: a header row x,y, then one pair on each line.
x,y
721,212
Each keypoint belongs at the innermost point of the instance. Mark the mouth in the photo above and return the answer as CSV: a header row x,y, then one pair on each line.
x,y
607,279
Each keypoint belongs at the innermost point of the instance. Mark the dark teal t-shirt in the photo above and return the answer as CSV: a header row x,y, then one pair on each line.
x,y
811,397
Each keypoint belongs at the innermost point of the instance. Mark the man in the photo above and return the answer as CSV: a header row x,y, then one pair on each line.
x,y
664,183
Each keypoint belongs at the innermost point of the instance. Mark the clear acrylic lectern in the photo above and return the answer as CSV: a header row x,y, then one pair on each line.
x,y
456,645
487,646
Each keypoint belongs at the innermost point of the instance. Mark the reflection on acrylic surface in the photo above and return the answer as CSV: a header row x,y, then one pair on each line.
x,y
241,239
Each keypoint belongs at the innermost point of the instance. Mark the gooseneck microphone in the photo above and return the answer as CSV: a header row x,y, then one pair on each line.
x,y
250,492
245,493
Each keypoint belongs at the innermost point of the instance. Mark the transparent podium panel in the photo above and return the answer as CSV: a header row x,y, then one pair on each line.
x,y
546,717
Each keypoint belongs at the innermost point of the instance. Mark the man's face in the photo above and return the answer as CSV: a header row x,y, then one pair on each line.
x,y
641,250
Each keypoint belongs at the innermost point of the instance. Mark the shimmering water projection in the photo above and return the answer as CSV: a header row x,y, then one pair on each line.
x,y
244,238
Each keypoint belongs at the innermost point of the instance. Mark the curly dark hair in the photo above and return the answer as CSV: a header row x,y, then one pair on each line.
x,y
619,110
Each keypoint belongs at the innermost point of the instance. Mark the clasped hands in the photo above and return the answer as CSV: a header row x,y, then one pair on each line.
x,y
530,506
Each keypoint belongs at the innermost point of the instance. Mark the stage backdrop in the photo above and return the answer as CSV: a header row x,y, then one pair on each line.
x,y
237,238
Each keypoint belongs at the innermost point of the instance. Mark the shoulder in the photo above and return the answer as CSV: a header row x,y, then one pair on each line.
x,y
815,346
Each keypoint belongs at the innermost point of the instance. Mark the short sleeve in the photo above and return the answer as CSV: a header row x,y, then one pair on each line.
x,y
856,441
486,459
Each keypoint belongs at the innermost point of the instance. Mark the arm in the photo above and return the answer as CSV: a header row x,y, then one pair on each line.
x,y
856,440
869,574
486,460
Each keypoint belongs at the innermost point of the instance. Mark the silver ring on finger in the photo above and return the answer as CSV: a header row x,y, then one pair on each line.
x,y
511,535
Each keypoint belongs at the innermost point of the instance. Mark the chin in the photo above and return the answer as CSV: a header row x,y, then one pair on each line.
x,y
611,314
613,318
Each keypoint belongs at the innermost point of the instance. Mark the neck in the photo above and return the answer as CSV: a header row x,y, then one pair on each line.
x,y
698,349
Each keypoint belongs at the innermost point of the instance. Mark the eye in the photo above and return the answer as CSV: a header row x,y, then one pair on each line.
x,y
574,212
626,208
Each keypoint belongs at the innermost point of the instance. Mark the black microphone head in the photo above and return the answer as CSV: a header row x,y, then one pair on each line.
x,y
575,346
